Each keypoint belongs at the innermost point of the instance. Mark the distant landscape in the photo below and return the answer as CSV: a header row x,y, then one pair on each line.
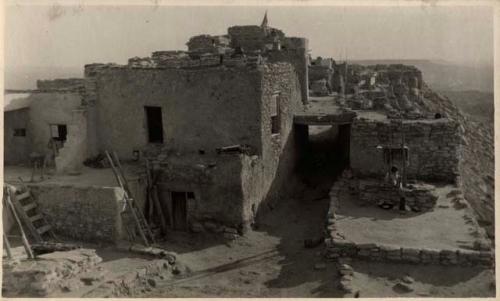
x,y
470,87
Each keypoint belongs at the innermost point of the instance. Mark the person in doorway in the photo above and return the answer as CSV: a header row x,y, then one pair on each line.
x,y
394,179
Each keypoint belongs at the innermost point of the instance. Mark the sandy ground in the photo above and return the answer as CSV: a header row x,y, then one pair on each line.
x,y
442,228
268,262
378,280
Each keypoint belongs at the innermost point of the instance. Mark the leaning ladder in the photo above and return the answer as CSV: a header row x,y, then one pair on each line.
x,y
141,223
26,244
28,210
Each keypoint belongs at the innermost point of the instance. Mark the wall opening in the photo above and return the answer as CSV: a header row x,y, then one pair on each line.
x,y
20,132
59,132
154,124
179,209
393,156
275,114
324,152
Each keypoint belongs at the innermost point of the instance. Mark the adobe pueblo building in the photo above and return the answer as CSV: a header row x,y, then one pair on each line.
x,y
225,127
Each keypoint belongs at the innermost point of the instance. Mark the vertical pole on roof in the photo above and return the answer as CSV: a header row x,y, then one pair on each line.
x,y
403,157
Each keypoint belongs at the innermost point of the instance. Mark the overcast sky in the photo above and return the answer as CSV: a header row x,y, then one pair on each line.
x,y
73,36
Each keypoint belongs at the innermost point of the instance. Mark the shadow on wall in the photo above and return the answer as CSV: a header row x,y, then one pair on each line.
x,y
295,210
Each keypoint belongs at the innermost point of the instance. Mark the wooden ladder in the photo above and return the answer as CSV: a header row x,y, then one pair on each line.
x,y
27,208
141,223
154,201
26,244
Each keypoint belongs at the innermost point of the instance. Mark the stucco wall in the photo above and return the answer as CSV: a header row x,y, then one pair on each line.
x,y
16,148
201,109
434,148
82,213
50,108
215,182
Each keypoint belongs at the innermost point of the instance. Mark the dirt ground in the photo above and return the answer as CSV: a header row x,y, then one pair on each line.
x,y
379,280
272,262
444,227
268,262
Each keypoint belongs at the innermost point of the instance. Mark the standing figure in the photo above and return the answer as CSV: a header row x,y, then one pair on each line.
x,y
394,179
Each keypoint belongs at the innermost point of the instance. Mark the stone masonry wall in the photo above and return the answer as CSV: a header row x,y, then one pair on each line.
x,y
434,148
227,99
337,246
418,196
298,58
81,213
267,177
61,84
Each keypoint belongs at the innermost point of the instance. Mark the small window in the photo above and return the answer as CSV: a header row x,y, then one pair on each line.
x,y
154,124
58,132
275,114
394,155
19,132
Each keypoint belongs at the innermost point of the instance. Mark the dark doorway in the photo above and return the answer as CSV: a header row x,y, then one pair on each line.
x,y
155,124
324,152
179,208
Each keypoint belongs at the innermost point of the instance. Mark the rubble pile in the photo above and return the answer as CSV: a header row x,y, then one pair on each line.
x,y
47,273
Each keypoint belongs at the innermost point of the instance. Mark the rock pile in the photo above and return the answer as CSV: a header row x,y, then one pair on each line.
x,y
40,277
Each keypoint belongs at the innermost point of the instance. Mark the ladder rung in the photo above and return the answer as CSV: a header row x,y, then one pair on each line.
x,y
23,195
29,207
43,229
35,217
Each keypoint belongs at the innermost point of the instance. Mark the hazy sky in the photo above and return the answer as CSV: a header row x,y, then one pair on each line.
x,y
73,36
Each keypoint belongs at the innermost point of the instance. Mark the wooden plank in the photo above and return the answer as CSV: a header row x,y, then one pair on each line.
x,y
28,207
169,208
156,201
36,217
44,229
23,195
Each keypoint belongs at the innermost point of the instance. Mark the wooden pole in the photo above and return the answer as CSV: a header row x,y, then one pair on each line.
x,y
154,198
6,245
128,200
403,158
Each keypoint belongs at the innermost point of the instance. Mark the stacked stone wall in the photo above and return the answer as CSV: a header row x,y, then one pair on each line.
x,y
337,246
81,213
434,148
63,84
419,197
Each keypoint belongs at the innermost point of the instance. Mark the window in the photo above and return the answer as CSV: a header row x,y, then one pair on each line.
x,y
58,132
154,124
392,155
275,114
19,132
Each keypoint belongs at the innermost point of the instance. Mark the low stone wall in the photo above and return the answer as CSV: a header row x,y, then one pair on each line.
x,y
419,197
82,213
337,246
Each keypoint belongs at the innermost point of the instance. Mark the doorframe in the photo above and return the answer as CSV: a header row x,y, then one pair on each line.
x,y
168,189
